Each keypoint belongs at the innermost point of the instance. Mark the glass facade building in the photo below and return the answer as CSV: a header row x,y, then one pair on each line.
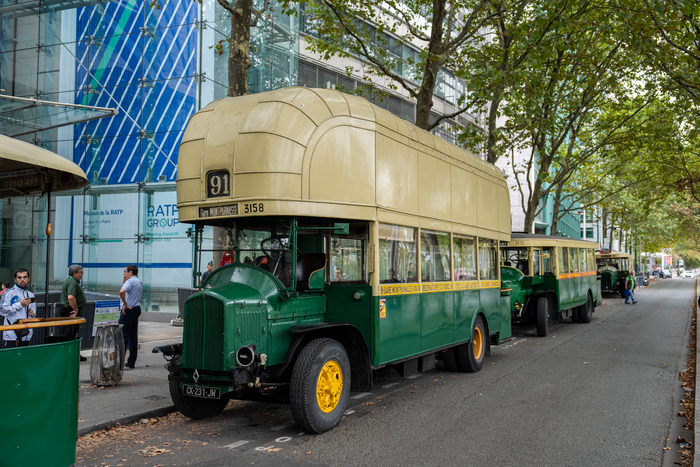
x,y
156,63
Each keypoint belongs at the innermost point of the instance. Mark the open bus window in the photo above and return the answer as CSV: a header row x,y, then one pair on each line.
x,y
435,256
488,259
547,261
464,258
397,254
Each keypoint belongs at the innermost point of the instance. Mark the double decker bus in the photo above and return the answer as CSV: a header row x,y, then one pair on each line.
x,y
613,269
550,279
358,241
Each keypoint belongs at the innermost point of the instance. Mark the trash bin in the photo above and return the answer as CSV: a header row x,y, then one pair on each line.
x,y
107,360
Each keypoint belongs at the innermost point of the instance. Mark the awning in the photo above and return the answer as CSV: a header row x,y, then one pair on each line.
x,y
25,169
20,116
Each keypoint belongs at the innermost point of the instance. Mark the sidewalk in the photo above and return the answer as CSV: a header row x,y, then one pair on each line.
x,y
143,391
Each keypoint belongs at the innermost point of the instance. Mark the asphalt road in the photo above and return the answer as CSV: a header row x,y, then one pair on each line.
x,y
588,394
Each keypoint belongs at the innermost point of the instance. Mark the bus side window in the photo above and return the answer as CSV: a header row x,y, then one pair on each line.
x,y
488,259
397,254
435,256
563,254
464,258
582,259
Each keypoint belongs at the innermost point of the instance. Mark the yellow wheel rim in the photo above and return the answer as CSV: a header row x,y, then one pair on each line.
x,y
329,386
478,343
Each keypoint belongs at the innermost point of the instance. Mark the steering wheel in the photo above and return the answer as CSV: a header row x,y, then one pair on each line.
x,y
517,257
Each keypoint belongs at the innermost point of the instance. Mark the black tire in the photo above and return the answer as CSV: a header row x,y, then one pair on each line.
x,y
574,315
542,316
585,312
306,377
195,407
450,359
470,356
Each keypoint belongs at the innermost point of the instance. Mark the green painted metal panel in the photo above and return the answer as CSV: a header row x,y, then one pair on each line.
x,y
39,412
490,300
399,333
343,307
437,320
466,302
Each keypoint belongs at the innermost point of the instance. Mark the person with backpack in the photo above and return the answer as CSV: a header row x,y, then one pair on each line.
x,y
629,288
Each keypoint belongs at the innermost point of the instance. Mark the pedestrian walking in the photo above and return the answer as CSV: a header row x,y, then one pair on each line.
x,y
629,289
73,301
130,295
15,304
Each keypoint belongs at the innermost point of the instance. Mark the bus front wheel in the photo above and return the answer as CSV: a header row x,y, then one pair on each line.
x,y
542,316
320,385
195,407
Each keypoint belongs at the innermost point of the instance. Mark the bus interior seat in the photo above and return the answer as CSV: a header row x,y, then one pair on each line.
x,y
306,265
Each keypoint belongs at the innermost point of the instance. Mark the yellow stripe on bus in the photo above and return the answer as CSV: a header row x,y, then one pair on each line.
x,y
405,289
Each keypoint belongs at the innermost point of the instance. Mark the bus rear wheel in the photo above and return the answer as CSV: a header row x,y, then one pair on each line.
x,y
542,316
585,312
320,386
194,407
470,356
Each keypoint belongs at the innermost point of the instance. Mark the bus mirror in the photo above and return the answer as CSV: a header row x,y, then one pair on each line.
x,y
341,229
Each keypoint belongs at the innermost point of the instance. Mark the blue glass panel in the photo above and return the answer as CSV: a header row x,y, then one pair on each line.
x,y
172,13
160,157
110,160
116,60
127,100
116,18
168,105
170,53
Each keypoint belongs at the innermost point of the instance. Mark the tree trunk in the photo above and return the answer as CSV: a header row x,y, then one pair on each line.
x,y
424,99
239,49
556,210
491,154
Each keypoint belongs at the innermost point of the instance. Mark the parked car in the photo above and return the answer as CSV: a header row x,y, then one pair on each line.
x,y
666,274
688,274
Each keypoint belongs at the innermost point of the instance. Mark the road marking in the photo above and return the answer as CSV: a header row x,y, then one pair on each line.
x,y
412,376
284,425
236,444
348,412
387,386
361,395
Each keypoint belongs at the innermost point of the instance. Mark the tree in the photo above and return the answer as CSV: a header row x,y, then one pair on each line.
x,y
442,29
244,16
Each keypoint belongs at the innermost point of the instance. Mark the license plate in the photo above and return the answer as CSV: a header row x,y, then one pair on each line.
x,y
198,391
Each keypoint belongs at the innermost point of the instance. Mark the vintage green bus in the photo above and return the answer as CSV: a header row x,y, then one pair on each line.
x,y
613,269
359,241
550,279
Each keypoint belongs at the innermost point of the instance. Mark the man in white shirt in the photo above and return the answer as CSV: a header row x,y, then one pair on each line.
x,y
17,303
130,295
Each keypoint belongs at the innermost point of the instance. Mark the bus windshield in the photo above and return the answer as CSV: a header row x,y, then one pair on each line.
x,y
516,258
266,247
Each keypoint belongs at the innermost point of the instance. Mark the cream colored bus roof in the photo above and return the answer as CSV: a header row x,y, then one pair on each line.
x,y
318,152
614,254
537,240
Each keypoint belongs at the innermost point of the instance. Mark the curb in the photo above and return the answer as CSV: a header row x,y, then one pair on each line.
x,y
163,411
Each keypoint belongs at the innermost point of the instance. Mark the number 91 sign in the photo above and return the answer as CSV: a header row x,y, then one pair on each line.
x,y
218,184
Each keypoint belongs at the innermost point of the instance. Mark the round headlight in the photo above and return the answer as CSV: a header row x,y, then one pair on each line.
x,y
245,355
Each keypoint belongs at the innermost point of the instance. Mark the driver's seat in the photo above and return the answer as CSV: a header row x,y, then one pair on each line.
x,y
311,271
